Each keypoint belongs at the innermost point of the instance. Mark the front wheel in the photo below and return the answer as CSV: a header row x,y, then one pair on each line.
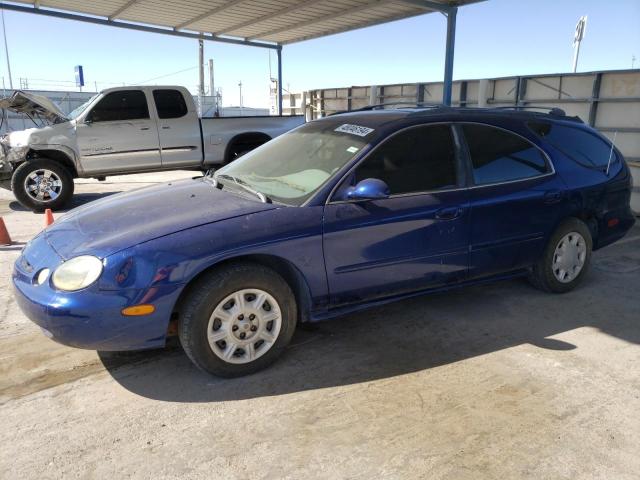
x,y
237,320
42,183
566,258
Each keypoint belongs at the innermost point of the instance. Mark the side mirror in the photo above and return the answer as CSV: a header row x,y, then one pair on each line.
x,y
88,121
368,189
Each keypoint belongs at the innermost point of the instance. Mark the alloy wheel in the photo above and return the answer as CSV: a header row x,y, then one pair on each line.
x,y
43,185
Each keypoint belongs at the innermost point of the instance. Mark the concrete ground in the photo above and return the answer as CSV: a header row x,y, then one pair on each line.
x,y
498,381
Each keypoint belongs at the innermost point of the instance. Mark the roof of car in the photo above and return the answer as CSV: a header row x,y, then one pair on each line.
x,y
378,114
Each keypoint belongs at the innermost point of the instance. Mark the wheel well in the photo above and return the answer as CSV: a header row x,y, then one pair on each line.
x,y
57,156
243,143
589,218
282,267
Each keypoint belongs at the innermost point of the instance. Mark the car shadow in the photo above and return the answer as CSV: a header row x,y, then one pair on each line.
x,y
77,200
401,338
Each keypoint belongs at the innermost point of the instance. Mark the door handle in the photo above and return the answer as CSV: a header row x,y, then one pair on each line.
x,y
449,213
166,128
553,196
144,128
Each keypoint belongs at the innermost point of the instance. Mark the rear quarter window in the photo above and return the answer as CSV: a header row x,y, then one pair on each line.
x,y
499,156
578,144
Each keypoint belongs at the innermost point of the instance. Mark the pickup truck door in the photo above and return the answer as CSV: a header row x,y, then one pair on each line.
x,y
118,135
178,129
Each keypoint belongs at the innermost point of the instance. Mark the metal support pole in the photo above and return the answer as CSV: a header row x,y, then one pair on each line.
x,y
212,87
373,95
483,92
280,80
201,76
6,51
448,59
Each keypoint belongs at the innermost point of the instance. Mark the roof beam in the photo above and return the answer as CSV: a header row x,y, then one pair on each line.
x,y
133,26
430,5
367,24
367,6
124,7
208,13
279,13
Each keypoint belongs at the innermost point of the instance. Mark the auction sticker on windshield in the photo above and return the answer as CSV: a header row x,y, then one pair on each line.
x,y
354,129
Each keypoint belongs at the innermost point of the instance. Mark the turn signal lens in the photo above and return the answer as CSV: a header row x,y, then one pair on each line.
x,y
138,310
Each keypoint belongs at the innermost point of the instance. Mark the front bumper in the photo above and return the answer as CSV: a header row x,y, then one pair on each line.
x,y
89,318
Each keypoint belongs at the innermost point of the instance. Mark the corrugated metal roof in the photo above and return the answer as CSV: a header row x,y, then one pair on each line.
x,y
273,21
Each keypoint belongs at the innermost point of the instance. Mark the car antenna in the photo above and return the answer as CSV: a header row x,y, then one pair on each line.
x,y
611,153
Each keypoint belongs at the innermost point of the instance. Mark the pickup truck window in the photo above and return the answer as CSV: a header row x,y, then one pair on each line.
x,y
169,103
121,105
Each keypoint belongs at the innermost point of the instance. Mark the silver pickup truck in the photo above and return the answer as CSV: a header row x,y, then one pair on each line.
x,y
119,131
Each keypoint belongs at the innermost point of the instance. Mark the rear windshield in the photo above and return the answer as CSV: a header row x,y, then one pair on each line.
x,y
578,144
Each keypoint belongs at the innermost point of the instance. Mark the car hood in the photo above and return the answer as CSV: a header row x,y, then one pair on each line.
x,y
33,105
107,226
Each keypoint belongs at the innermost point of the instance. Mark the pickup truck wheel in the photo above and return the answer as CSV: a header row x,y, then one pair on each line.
x,y
565,260
237,320
42,183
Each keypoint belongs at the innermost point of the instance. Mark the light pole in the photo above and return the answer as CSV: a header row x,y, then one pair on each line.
x,y
240,85
6,50
581,28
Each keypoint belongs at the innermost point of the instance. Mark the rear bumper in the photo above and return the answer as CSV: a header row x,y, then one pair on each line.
x,y
613,226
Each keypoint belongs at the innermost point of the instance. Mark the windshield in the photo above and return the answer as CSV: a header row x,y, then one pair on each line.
x,y
73,114
292,167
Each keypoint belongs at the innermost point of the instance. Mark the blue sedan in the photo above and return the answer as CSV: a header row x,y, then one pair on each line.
x,y
343,213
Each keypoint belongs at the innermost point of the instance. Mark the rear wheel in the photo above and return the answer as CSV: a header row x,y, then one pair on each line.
x,y
42,183
237,320
566,258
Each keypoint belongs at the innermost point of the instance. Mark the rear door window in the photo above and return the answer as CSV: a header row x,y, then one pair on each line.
x,y
169,103
418,159
500,156
578,144
121,105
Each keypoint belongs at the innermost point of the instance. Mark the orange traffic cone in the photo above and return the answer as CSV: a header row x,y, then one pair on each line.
x,y
5,239
48,217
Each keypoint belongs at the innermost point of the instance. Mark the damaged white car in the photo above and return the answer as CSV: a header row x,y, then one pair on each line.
x,y
120,131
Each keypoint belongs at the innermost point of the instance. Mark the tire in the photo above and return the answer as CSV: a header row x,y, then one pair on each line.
x,y
55,193
217,333
547,274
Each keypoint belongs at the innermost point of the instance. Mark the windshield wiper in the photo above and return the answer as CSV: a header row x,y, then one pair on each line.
x,y
244,185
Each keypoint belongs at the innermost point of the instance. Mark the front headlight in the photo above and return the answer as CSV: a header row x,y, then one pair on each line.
x,y
77,273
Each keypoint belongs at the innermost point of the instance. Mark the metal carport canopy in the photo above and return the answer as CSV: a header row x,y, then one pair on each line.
x,y
258,23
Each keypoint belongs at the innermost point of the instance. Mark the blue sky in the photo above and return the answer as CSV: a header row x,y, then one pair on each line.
x,y
494,38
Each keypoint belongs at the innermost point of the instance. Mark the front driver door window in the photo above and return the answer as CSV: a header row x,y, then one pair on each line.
x,y
119,135
416,238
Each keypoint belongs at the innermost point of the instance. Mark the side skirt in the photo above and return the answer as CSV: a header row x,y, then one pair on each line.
x,y
337,312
